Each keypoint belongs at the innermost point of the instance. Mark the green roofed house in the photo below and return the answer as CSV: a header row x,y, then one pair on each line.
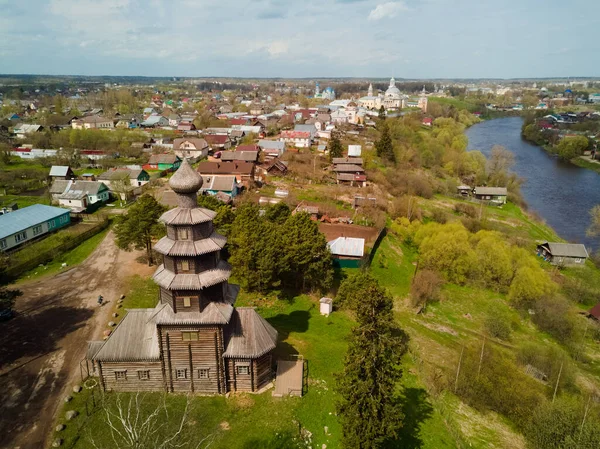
x,y
167,161
347,252
30,223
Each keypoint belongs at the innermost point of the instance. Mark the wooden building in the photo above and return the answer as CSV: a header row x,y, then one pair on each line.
x,y
194,340
563,254
496,195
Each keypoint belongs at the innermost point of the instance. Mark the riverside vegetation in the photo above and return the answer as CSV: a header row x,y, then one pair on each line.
x,y
498,354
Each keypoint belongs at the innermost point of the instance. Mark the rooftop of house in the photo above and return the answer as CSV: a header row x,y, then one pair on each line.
x,y
79,189
347,246
249,156
347,160
114,174
197,142
224,183
500,191
27,217
165,158
59,170
271,145
348,168
567,249
225,168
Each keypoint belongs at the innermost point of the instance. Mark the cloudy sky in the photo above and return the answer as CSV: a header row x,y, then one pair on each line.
x,y
302,38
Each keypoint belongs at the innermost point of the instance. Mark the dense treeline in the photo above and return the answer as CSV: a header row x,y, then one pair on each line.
x,y
278,250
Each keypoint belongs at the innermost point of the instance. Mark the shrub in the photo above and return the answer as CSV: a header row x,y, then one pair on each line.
x,y
425,287
498,323
496,383
550,360
553,314
439,216
466,209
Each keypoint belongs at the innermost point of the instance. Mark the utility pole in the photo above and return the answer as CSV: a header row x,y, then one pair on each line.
x,y
557,380
458,369
481,357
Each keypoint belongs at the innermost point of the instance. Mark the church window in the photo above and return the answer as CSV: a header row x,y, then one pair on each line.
x,y
181,373
189,336
185,265
187,301
121,375
182,234
243,369
203,373
144,375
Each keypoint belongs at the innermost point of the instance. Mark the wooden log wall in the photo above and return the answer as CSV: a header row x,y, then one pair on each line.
x,y
203,230
191,356
264,370
155,381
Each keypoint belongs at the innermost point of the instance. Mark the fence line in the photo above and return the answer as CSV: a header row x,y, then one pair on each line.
x,y
49,255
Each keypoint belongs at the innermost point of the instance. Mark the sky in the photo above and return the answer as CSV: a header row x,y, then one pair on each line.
x,y
302,39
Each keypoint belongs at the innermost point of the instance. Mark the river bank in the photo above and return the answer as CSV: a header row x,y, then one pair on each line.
x,y
560,192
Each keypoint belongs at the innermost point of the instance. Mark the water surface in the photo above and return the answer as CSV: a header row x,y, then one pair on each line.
x,y
560,192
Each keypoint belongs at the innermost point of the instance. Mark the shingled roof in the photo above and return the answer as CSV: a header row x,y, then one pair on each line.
x,y
193,281
249,335
133,340
567,249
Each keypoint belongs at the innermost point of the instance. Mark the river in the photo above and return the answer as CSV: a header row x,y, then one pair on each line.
x,y
560,192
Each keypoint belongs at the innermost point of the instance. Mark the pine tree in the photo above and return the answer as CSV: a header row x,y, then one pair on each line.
x,y
335,147
370,412
305,254
385,146
140,226
381,115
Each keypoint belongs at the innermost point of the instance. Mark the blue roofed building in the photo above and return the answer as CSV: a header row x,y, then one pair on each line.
x,y
31,223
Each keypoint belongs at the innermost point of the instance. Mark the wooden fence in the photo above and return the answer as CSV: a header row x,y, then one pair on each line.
x,y
47,256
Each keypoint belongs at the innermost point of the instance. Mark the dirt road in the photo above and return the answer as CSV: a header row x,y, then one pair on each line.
x,y
41,348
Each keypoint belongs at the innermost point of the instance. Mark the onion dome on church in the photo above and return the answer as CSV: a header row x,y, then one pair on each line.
x,y
393,92
186,179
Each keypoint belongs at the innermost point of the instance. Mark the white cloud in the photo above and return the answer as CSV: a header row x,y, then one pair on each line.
x,y
387,10
278,48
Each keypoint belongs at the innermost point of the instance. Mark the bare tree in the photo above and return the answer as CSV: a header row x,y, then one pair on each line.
x,y
132,421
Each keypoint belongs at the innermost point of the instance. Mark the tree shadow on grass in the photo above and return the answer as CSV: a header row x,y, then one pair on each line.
x,y
296,321
417,409
281,441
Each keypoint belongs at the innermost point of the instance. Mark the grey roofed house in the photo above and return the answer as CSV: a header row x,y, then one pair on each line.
x,y
271,145
249,334
247,156
222,183
563,253
61,171
59,186
311,128
87,187
116,174
348,168
347,247
494,191
347,160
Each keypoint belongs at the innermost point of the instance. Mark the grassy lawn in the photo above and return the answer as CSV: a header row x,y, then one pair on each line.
x,y
74,257
23,201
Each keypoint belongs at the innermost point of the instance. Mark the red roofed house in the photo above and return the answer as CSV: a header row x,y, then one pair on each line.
x,y
427,121
298,139
238,121
218,141
243,171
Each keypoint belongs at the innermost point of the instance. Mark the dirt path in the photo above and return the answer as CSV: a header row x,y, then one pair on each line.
x,y
41,348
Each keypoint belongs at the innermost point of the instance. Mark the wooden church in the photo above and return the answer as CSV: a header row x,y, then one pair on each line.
x,y
194,340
